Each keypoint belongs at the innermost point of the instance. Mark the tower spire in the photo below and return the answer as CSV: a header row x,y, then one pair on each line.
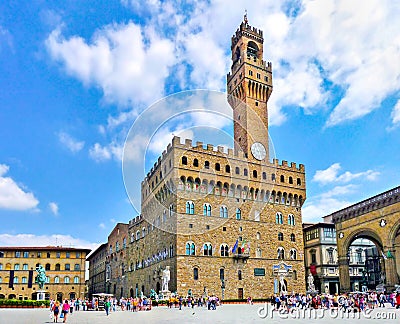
x,y
245,17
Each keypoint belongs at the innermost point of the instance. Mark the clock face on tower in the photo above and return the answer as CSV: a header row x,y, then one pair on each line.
x,y
258,151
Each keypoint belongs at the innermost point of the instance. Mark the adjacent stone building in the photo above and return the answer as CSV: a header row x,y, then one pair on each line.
x,y
65,271
221,219
97,270
116,260
321,257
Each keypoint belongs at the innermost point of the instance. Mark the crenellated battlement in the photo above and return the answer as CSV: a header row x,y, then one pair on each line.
x,y
246,30
187,144
261,64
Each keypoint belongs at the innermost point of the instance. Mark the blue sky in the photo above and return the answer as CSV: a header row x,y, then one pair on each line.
x,y
75,75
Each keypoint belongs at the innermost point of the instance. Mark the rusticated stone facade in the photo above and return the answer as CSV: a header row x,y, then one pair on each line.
x,y
220,219
97,270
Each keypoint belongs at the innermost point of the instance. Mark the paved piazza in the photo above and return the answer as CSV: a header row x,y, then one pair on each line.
x,y
224,314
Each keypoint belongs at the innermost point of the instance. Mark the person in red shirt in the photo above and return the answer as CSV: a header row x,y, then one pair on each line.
x,y
397,300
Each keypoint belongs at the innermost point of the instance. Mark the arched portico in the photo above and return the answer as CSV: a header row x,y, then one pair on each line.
x,y
378,219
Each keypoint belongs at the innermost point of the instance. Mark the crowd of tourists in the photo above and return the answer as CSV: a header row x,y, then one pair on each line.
x,y
359,301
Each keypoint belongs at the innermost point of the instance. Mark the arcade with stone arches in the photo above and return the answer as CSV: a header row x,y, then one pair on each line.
x,y
378,220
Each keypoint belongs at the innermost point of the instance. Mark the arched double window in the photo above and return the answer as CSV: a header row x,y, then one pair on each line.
x,y
190,207
190,248
223,212
280,236
238,213
76,279
207,249
292,237
207,210
293,254
291,220
66,280
279,218
184,160
56,279
224,250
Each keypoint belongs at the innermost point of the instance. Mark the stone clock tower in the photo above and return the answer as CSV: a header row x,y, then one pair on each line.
x,y
249,86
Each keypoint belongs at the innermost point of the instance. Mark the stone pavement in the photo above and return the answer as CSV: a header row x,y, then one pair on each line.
x,y
224,314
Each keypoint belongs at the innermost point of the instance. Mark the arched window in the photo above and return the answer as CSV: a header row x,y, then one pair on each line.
x,y
227,169
281,253
184,160
195,273
47,279
273,176
195,163
207,249
207,210
237,170
223,212
76,279
280,236
282,178
258,253
264,176
291,220
24,280
293,254
16,266
238,213
290,180
143,234
57,279
190,248
298,181
66,280
57,267
254,173
217,167
16,280
258,235
292,237
279,218
25,266
47,267
206,164
137,234
190,207
239,274
245,172
224,250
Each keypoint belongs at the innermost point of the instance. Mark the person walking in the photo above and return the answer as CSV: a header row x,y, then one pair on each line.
x,y
107,306
397,300
56,310
65,310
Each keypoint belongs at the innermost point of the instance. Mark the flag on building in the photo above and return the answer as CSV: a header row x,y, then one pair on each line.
x,y
389,255
235,246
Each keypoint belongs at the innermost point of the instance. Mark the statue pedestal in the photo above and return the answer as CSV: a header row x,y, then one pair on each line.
x,y
41,295
165,295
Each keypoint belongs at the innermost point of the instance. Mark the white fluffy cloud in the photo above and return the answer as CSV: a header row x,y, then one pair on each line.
x,y
70,143
331,174
54,208
129,63
45,240
101,153
396,113
14,196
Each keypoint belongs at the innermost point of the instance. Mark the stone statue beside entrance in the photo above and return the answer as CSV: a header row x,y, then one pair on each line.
x,y
310,281
165,279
